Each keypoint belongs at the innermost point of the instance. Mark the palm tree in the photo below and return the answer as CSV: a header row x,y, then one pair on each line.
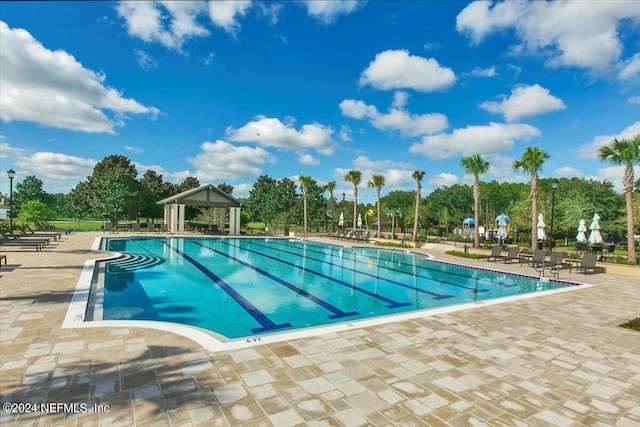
x,y
417,175
377,181
305,182
331,186
354,176
531,161
475,165
625,152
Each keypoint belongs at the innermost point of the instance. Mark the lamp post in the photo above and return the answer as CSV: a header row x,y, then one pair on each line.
x,y
393,212
554,187
11,174
344,222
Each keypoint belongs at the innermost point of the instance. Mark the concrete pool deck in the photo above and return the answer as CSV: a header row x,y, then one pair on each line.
x,y
552,360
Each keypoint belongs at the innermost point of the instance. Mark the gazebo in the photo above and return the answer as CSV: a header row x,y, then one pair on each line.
x,y
207,196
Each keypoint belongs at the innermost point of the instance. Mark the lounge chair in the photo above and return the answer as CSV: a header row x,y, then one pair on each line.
x,y
27,231
45,241
43,226
588,263
495,253
108,227
555,264
513,254
365,237
21,243
3,257
135,227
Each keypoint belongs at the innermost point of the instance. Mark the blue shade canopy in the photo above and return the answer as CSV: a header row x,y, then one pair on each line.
x,y
468,221
506,218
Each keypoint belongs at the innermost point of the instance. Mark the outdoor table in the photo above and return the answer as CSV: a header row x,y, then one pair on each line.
x,y
525,258
573,262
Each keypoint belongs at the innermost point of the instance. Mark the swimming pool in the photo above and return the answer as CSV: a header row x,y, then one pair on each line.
x,y
249,287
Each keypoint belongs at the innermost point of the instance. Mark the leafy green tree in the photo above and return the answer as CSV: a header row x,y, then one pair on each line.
x,y
111,192
377,182
189,183
417,175
285,197
31,188
226,188
625,152
456,199
475,165
262,202
35,210
531,161
354,177
305,182
152,189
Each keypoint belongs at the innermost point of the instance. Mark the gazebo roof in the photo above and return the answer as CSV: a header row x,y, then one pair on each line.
x,y
203,196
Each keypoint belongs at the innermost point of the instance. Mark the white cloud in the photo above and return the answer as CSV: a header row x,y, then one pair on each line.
x,y
525,101
328,11
345,133
614,175
567,172
482,72
134,150
56,166
494,138
634,100
271,132
220,160
590,150
53,89
225,13
397,69
208,59
144,60
7,151
397,118
568,33
172,177
169,23
444,180
308,159
631,68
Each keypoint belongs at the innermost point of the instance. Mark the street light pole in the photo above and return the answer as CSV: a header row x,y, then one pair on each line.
x,y
11,174
554,187
344,222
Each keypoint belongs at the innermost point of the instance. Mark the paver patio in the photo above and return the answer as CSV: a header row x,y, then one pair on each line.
x,y
558,360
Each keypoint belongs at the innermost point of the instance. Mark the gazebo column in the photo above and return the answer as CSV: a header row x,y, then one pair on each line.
x,y
173,224
181,218
234,221
167,215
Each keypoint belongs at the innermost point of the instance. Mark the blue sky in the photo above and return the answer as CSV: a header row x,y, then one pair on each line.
x,y
227,91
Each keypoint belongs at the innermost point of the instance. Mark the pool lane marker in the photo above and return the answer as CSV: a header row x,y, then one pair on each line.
x,y
395,282
422,267
390,303
260,317
337,313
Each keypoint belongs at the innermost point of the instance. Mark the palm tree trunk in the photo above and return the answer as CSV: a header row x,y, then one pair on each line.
x,y
355,206
534,215
631,243
415,218
379,215
476,214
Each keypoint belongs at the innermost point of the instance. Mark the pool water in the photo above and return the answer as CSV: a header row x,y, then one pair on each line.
x,y
245,287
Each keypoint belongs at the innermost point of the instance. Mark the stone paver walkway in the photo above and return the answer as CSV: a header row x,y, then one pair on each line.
x,y
553,360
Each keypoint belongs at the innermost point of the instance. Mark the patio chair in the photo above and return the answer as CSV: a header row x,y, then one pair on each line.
x,y
108,227
495,253
537,260
366,237
28,231
513,254
135,227
588,264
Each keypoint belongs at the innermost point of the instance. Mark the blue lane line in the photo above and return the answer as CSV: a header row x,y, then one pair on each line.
x,y
423,267
433,294
260,317
337,313
391,303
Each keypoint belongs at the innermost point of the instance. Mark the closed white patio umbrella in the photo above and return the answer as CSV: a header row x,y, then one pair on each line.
x,y
359,220
341,220
542,235
582,228
502,227
594,237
